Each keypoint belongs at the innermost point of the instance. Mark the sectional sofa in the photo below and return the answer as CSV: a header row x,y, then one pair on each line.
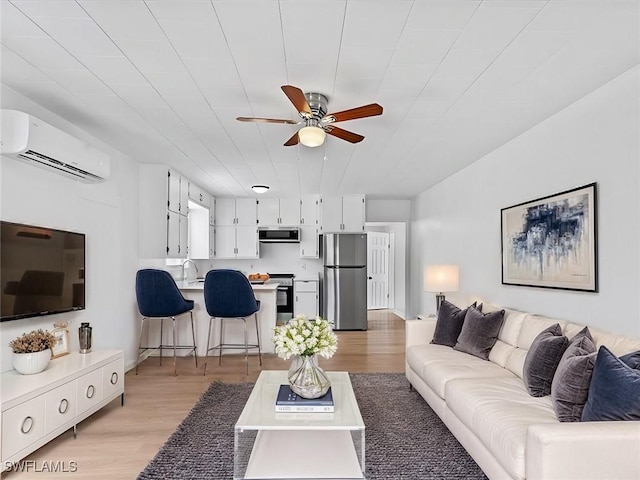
x,y
508,432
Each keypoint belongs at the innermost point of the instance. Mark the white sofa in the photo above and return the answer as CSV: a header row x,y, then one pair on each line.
x,y
509,433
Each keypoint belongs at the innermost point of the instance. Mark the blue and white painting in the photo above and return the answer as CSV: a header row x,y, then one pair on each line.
x,y
550,242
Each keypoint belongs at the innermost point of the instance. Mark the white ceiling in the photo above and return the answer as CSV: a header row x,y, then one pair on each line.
x,y
163,81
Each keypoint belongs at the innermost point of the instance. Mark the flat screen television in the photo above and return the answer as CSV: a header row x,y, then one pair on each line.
x,y
42,271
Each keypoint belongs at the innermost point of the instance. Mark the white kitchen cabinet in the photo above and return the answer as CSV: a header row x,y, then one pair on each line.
x,y
198,195
236,211
225,246
236,230
236,242
162,225
37,408
212,211
246,211
246,242
268,211
281,212
309,210
225,211
178,192
309,245
212,240
306,298
177,235
342,213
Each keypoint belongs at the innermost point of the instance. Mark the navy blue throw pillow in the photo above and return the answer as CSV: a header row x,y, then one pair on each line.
x,y
614,393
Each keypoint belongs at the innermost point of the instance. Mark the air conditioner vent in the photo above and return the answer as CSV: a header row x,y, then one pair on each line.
x,y
40,144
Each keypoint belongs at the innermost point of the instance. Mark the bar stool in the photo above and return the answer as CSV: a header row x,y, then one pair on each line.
x,y
228,295
158,297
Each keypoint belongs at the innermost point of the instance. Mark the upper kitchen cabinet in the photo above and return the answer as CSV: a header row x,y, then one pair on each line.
x,y
199,195
281,212
309,210
236,233
309,244
236,242
163,229
342,213
178,192
236,211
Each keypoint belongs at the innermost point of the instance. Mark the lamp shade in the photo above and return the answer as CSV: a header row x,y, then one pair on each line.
x,y
441,278
311,136
260,188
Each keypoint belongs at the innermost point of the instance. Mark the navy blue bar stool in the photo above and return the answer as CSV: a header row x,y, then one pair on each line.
x,y
228,295
158,297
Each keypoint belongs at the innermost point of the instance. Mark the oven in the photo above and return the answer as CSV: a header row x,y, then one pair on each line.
x,y
284,296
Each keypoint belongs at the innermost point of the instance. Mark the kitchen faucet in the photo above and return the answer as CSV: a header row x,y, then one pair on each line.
x,y
184,277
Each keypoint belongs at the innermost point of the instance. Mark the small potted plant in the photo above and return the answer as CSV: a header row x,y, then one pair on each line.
x,y
32,351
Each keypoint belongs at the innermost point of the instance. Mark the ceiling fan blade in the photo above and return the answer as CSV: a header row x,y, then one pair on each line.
x,y
370,110
297,98
265,120
292,141
344,134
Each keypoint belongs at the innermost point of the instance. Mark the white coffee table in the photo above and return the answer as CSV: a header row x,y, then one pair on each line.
x,y
271,445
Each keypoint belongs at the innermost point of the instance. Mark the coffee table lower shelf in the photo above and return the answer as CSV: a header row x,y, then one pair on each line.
x,y
303,454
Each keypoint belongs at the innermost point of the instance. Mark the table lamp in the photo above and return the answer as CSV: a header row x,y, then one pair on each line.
x,y
439,279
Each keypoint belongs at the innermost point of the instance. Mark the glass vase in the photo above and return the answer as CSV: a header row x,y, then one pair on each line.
x,y
306,378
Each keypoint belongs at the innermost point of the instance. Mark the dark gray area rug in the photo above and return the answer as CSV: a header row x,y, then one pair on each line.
x,y
405,439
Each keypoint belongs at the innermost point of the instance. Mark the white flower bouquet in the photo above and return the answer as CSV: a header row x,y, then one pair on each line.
x,y
304,337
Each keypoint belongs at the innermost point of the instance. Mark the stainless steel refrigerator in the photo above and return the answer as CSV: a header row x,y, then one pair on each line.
x,y
344,282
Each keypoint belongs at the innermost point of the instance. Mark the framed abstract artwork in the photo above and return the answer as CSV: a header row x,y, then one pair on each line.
x,y
552,242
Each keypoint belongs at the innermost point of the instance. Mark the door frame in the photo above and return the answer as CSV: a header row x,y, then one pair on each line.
x,y
398,271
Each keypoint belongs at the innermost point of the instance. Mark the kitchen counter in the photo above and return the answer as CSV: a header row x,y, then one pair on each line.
x,y
197,285
234,331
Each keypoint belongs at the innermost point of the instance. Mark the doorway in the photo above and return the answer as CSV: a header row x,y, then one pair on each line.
x,y
377,270
396,271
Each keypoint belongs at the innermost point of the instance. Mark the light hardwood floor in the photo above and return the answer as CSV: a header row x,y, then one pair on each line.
x,y
118,442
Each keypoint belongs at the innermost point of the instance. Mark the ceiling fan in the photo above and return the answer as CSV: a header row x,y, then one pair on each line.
x,y
312,108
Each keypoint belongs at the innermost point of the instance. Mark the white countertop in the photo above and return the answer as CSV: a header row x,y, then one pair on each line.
x,y
195,285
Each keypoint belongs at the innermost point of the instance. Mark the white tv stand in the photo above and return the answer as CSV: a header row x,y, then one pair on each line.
x,y
37,408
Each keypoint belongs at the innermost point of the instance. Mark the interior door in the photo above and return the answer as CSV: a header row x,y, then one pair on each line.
x,y
377,270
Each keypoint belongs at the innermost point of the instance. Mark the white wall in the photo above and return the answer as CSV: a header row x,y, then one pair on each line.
x,y
388,210
107,213
594,140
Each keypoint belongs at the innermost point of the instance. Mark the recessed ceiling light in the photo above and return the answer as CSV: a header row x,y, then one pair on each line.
x,y
260,188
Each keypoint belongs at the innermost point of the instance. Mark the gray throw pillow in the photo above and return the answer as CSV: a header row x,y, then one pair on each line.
x,y
449,324
570,386
479,332
542,360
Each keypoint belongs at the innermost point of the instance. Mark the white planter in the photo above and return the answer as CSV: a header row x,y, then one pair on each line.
x,y
30,363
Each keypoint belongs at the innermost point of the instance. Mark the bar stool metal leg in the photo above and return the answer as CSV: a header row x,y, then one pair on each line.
x,y
175,370
258,337
193,333
140,343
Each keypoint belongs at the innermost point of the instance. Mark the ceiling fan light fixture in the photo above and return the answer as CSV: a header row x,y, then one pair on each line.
x,y
260,188
311,136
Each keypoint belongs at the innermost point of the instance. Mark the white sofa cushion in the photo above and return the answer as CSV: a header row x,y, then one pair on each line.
x,y
499,411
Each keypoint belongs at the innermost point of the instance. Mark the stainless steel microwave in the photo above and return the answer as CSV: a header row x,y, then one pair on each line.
x,y
279,235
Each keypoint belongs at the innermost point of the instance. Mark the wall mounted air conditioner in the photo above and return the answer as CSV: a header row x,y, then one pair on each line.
x,y
30,140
